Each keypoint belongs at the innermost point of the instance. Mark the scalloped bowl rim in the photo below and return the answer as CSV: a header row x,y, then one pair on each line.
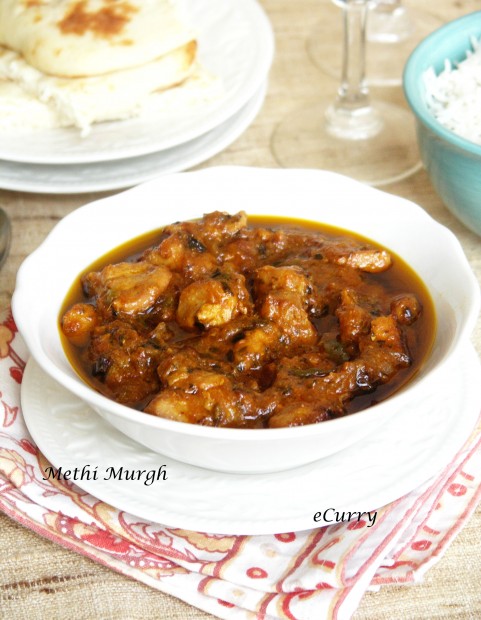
x,y
31,269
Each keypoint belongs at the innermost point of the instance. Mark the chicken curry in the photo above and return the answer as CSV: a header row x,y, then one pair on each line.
x,y
261,324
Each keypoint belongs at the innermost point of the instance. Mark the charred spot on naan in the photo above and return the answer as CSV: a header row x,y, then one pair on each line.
x,y
30,4
108,21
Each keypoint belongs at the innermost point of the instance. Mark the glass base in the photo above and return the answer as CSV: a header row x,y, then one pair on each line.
x,y
343,122
304,140
390,40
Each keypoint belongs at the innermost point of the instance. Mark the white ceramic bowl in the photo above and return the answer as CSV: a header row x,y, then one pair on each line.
x,y
399,225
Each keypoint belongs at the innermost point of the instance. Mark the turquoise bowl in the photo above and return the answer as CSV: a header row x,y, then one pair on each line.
x,y
453,163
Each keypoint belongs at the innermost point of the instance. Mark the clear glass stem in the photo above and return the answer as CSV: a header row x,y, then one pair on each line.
x,y
353,88
351,115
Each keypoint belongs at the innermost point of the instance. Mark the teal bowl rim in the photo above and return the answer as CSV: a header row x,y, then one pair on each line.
x,y
416,66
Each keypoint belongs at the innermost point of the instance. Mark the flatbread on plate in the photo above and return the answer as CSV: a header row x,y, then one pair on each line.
x,y
89,61
83,101
73,38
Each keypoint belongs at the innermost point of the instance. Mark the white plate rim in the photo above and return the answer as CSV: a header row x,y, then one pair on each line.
x,y
370,492
186,155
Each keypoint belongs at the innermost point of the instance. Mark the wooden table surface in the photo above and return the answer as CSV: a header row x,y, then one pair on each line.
x,y
39,579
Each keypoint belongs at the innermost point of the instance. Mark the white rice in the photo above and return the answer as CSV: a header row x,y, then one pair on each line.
x,y
454,96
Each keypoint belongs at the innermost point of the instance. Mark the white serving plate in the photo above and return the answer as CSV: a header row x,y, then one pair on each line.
x,y
121,173
393,460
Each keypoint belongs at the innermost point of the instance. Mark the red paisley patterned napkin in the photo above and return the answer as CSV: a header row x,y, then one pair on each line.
x,y
320,573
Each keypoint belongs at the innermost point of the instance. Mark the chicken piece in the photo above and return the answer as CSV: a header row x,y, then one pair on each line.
x,y
291,278
176,405
383,352
161,334
243,345
327,281
322,391
368,259
257,346
205,304
282,295
182,252
293,321
373,261
177,365
385,330
406,309
251,247
317,394
305,395
218,227
299,414
124,362
292,390
190,248
204,397
79,322
354,320
127,288
309,365
213,302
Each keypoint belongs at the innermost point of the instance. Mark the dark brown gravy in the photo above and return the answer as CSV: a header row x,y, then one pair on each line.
x,y
399,278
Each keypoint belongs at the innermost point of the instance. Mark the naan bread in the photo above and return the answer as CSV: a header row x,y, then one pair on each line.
x,y
114,96
18,110
73,38
79,62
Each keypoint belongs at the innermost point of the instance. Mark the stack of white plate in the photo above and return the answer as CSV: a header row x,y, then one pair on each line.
x,y
236,45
